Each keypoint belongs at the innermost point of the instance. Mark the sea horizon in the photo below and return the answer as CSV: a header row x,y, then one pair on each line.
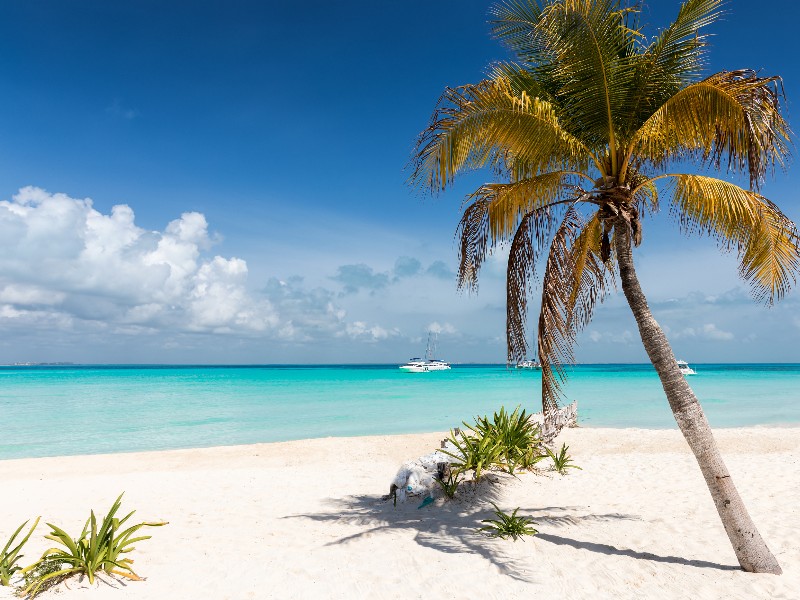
x,y
53,410
348,364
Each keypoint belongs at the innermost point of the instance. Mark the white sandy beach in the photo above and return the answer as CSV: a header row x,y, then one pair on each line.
x,y
305,520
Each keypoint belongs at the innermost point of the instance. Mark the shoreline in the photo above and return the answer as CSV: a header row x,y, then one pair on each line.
x,y
442,434
258,520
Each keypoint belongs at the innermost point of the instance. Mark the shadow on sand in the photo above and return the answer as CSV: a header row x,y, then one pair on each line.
x,y
613,550
450,526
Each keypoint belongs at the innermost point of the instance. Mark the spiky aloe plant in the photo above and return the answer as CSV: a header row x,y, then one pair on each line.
x,y
508,526
514,433
561,460
95,549
474,451
9,557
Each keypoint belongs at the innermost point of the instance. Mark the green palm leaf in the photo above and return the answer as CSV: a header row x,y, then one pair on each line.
x,y
481,125
765,239
671,61
731,115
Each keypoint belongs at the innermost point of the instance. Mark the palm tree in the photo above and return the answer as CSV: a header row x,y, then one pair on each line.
x,y
587,131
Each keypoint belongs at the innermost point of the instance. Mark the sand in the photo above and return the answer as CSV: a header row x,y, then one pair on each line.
x,y
305,520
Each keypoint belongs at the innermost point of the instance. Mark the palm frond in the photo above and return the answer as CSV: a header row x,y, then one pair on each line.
x,y
674,59
521,79
766,240
645,194
556,333
581,49
528,242
592,64
588,278
732,115
516,24
479,125
771,257
496,211
473,235
510,201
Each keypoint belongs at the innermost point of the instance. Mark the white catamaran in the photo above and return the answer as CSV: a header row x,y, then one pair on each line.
x,y
429,363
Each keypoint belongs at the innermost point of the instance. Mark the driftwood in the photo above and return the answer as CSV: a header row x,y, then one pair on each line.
x,y
551,424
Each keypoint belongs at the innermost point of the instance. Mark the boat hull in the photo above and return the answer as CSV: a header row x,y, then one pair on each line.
x,y
423,368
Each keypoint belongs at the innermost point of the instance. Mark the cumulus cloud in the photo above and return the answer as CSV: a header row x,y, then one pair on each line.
x,y
363,331
709,331
441,270
406,266
436,327
355,278
64,261
306,314
358,277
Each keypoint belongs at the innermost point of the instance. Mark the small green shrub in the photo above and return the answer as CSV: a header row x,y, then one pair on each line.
x,y
507,441
10,556
450,484
514,432
473,453
531,457
508,526
561,461
96,549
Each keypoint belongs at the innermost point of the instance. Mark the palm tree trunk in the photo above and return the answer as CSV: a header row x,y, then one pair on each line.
x,y
750,548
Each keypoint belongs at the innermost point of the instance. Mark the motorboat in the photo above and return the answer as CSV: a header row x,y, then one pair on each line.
x,y
528,364
429,363
685,369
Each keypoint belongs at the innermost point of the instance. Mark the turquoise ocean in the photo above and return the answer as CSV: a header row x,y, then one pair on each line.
x,y
65,410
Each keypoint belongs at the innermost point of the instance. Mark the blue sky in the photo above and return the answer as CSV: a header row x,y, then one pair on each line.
x,y
255,152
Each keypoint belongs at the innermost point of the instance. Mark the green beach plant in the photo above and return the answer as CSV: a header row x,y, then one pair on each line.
x,y
95,549
39,571
450,484
514,434
508,526
561,461
9,557
589,129
473,452
532,456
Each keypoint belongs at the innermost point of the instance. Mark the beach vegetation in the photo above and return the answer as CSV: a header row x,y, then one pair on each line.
x,y
473,452
531,457
515,434
592,127
40,571
98,548
561,460
9,556
449,483
508,526
507,441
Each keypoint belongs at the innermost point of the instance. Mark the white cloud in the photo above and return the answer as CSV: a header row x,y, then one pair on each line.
x,y
711,332
614,337
435,327
64,260
361,330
